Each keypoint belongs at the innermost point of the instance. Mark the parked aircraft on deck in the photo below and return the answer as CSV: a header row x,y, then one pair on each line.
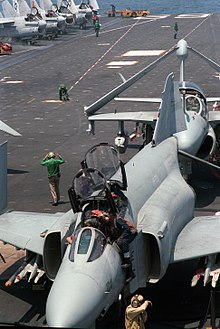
x,y
52,18
149,191
68,9
32,8
15,26
84,8
198,127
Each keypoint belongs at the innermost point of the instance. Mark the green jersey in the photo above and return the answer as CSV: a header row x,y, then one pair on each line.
x,y
53,166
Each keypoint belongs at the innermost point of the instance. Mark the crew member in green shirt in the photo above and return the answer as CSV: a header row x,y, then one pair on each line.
x,y
53,161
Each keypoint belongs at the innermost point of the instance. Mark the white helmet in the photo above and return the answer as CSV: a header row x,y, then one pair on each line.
x,y
51,155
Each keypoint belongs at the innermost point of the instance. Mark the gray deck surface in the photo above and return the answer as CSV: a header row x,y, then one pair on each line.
x,y
31,107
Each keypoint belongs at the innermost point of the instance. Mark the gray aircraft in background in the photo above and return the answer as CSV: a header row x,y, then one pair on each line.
x,y
197,126
68,9
149,191
16,26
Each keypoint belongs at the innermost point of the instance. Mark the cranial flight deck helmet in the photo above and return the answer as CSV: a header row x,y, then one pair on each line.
x,y
137,300
51,155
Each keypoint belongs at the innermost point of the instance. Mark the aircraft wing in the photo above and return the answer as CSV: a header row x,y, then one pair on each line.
x,y
6,21
147,117
198,238
8,129
214,117
212,99
23,229
139,99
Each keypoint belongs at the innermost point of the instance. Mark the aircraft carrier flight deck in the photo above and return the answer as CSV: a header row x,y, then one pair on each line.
x,y
90,67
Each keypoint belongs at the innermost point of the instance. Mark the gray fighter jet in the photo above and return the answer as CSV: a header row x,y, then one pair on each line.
x,y
149,191
68,9
15,26
197,125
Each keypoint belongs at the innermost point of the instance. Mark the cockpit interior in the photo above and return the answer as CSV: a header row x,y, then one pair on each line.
x,y
94,191
194,101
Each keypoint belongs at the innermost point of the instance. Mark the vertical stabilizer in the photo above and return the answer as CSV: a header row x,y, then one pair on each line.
x,y
15,6
171,115
36,5
24,9
44,4
94,5
3,177
7,10
72,7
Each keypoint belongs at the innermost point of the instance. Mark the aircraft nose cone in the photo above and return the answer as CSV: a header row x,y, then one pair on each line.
x,y
74,303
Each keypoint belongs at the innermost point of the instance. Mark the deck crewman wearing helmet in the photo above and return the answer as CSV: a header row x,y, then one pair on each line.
x,y
53,161
135,313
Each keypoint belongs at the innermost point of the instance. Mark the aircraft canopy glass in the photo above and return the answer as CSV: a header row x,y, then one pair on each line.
x,y
88,245
105,158
89,182
193,103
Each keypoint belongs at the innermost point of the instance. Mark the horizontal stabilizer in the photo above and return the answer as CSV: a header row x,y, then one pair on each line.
x,y
194,242
89,110
8,129
212,99
206,59
214,117
146,117
138,99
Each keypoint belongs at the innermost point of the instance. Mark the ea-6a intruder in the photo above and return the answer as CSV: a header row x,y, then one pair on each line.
x,y
196,128
149,191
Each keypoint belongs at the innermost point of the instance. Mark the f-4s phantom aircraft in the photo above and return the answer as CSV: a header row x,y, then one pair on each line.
x,y
150,192
198,128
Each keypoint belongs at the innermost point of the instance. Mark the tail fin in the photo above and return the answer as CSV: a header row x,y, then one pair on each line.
x,y
7,10
94,4
3,177
72,7
171,115
15,6
24,8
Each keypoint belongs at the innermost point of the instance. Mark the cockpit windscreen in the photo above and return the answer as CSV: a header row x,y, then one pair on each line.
x,y
89,182
88,244
105,158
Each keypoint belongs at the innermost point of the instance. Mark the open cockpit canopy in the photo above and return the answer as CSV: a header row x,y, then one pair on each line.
x,y
93,185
